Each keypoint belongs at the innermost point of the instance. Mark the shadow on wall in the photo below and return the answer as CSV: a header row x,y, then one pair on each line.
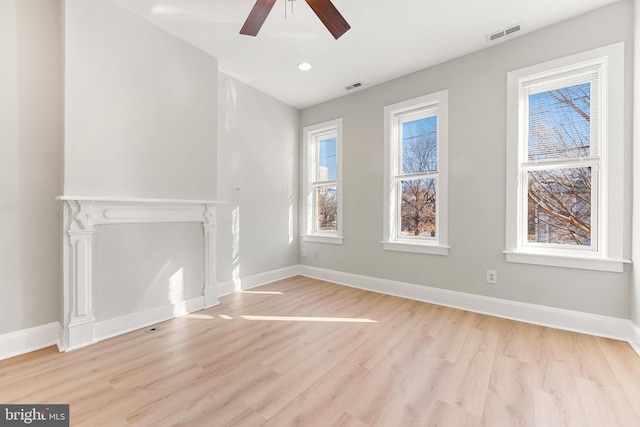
x,y
235,249
147,266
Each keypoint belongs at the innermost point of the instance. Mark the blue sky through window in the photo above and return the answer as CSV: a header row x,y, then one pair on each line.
x,y
420,145
559,198
327,159
559,123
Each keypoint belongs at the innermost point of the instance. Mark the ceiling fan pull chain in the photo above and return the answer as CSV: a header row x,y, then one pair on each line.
x,y
285,7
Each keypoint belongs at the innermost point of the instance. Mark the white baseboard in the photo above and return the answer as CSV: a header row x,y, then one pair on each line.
x,y
230,286
634,340
24,341
575,321
27,340
121,325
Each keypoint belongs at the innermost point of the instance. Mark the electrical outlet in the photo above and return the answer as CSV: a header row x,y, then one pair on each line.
x,y
304,251
315,254
492,276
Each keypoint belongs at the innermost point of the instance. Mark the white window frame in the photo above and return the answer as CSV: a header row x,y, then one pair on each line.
x,y
311,137
438,104
606,251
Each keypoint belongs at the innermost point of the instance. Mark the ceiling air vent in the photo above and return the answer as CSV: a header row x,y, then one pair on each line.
x,y
502,33
353,86
512,29
495,36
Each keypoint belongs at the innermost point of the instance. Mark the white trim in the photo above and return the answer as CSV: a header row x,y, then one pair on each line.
x,y
317,238
610,234
21,342
129,200
28,340
255,280
81,214
634,337
439,101
423,248
584,263
634,303
570,320
131,322
309,133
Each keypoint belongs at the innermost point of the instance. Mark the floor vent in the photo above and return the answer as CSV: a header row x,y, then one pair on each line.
x,y
502,33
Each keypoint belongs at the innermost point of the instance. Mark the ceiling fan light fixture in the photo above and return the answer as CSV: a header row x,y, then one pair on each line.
x,y
304,66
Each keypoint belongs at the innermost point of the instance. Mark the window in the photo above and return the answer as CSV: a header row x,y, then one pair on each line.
x,y
564,154
323,182
416,175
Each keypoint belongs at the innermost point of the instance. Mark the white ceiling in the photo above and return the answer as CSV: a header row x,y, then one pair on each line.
x,y
388,39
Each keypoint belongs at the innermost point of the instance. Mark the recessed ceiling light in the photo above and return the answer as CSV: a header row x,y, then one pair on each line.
x,y
166,10
304,66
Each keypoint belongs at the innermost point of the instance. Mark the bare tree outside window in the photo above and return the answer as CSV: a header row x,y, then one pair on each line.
x,y
326,190
419,161
327,208
415,175
419,207
559,198
322,183
565,162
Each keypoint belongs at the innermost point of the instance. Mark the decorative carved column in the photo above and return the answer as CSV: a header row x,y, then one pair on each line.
x,y
77,286
209,227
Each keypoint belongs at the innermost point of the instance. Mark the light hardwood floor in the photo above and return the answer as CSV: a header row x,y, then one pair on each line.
x,y
302,352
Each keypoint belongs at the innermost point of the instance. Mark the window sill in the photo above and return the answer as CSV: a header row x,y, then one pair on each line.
x,y
419,248
314,238
566,261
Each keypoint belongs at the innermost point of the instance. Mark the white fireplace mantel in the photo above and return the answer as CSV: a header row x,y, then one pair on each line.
x,y
82,214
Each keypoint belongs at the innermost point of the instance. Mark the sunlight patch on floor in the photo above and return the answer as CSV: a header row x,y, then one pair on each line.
x,y
310,319
262,292
198,316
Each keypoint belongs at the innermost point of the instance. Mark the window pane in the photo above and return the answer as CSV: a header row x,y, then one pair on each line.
x,y
559,207
326,208
327,160
560,123
420,145
418,208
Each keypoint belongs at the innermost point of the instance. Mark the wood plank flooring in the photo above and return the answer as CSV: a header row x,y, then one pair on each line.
x,y
302,352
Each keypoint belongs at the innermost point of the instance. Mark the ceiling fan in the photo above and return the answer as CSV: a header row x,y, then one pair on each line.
x,y
324,9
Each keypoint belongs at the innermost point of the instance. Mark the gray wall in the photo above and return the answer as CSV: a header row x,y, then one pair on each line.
x,y
137,132
30,162
140,111
140,108
635,292
170,269
140,121
257,175
477,141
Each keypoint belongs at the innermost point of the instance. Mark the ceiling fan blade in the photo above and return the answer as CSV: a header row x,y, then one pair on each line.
x,y
330,17
257,17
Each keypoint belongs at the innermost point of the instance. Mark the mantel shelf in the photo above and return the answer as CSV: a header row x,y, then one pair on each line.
x,y
138,200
